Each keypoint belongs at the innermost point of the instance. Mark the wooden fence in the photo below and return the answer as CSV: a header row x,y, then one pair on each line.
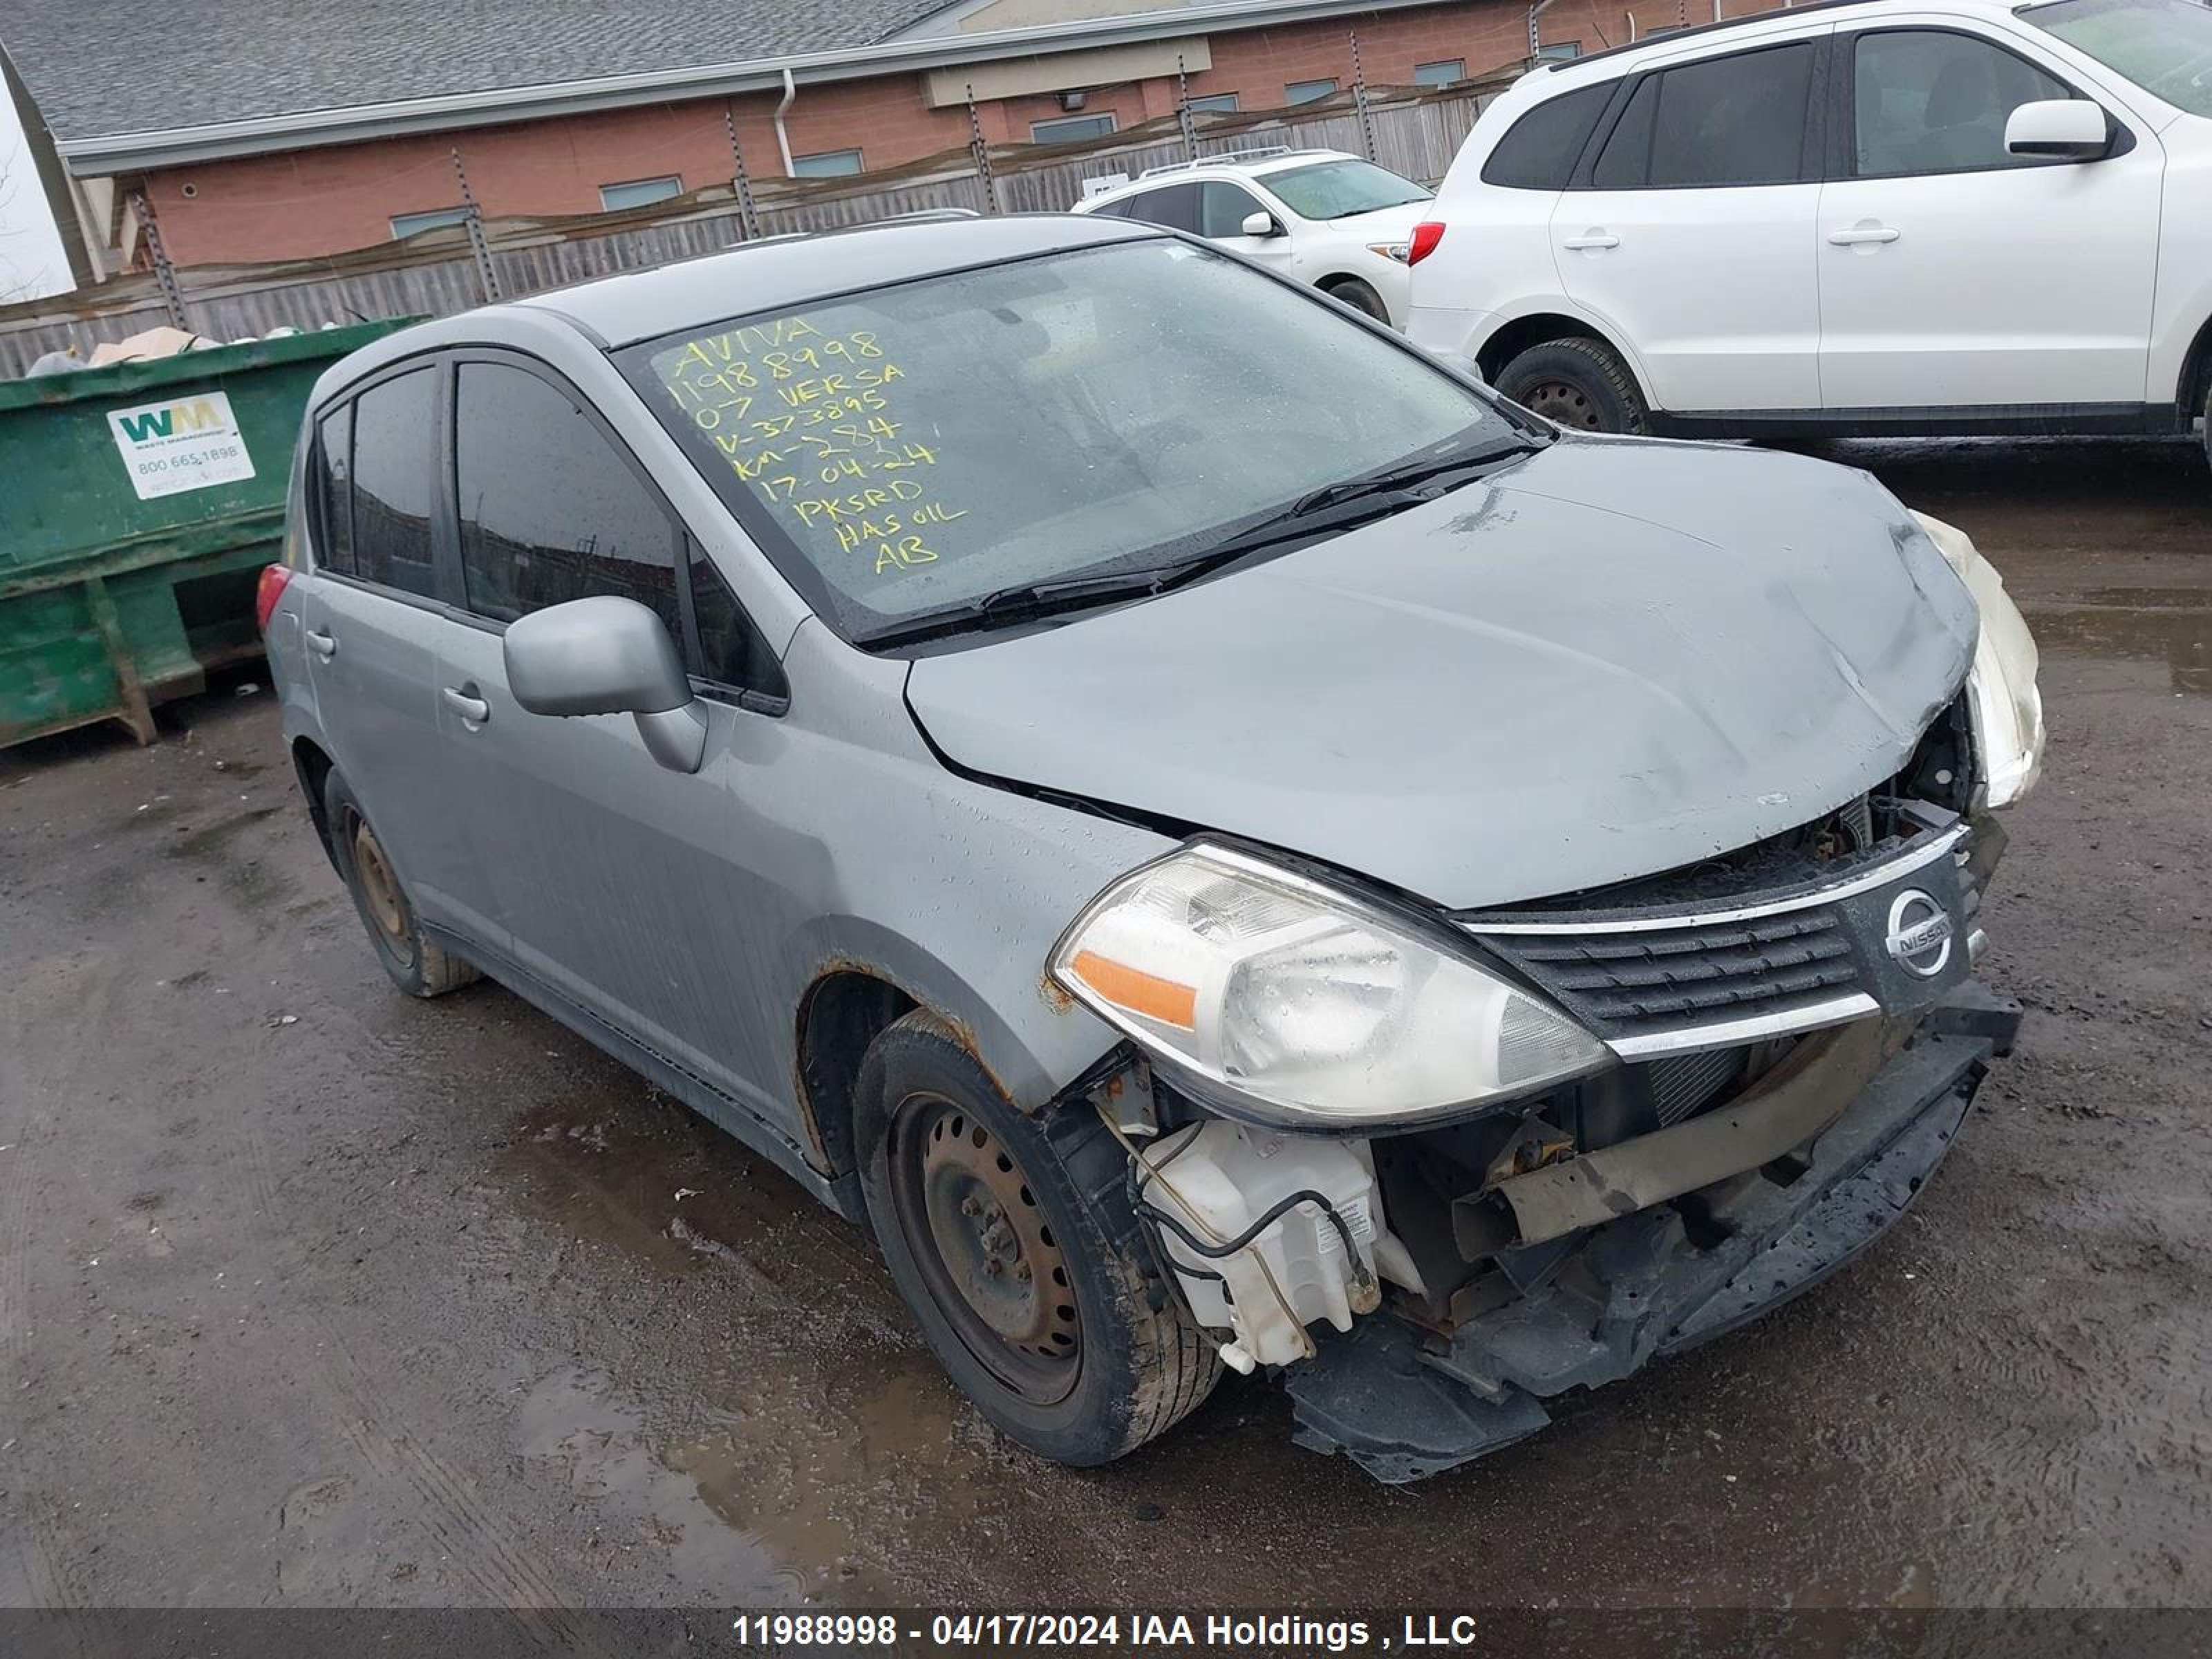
x,y
1411,131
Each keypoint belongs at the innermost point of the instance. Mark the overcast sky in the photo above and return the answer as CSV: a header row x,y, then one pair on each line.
x,y
32,262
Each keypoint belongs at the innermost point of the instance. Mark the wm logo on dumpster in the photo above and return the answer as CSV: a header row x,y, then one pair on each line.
x,y
198,415
187,443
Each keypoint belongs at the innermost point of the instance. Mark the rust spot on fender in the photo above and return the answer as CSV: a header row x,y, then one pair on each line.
x,y
1055,998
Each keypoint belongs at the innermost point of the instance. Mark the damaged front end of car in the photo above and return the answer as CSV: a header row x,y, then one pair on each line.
x,y
1445,1168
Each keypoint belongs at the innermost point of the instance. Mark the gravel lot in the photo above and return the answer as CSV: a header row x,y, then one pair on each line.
x,y
310,1294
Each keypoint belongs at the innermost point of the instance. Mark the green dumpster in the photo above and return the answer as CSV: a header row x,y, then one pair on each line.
x,y
137,504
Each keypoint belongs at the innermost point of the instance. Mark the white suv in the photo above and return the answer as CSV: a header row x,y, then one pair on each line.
x,y
1870,216
1318,215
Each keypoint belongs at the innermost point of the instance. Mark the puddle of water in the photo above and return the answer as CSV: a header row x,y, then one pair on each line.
x,y
2135,625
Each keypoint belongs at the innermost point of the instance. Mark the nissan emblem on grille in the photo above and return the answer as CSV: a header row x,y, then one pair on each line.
x,y
1919,938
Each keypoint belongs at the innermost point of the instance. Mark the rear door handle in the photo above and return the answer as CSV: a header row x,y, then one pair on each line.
x,y
1592,239
325,645
1860,235
463,701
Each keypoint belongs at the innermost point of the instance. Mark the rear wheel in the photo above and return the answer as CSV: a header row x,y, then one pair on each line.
x,y
416,966
1581,385
1011,1241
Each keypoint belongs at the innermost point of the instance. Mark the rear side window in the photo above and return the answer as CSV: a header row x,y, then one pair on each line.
x,y
548,510
1175,207
332,490
1726,121
391,483
1540,150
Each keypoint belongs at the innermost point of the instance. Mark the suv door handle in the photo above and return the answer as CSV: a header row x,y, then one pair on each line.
x,y
1860,235
463,701
1592,238
325,645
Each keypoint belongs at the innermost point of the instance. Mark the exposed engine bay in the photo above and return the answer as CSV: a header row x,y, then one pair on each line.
x,y
1754,1002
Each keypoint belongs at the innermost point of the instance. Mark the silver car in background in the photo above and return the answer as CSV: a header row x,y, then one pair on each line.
x,y
1220,839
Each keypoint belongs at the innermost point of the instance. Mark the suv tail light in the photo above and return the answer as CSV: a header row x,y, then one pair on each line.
x,y
267,592
1426,235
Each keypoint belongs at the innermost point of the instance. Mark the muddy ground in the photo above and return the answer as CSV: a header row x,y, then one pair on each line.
x,y
311,1294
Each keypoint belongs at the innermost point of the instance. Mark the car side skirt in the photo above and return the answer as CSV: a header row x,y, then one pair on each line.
x,y
725,1112
1932,421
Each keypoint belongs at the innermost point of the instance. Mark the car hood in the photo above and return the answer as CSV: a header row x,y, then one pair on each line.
x,y
1391,224
1612,659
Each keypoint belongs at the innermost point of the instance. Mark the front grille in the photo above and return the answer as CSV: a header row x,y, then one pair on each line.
x,y
1699,974
1675,977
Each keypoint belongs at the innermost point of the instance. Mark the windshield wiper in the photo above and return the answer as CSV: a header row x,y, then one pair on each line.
x,y
1341,506
1431,466
1017,605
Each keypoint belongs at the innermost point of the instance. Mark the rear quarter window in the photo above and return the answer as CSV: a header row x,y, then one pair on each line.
x,y
1540,150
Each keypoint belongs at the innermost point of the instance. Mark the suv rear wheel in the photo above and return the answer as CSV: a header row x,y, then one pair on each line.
x,y
1581,385
416,965
1012,1240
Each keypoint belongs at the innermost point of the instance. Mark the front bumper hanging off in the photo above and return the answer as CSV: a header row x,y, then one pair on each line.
x,y
1404,1403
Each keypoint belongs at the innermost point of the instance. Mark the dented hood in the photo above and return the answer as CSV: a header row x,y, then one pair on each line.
x,y
1609,659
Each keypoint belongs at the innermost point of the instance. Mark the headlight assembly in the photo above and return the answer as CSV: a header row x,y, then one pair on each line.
x,y
1285,1000
2001,693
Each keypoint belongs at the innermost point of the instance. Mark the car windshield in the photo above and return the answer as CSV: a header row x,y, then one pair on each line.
x,y
1104,411
1337,190
2164,46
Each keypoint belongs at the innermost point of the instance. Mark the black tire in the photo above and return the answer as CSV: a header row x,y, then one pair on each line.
x,y
2208,419
1581,385
1109,1368
1360,297
416,966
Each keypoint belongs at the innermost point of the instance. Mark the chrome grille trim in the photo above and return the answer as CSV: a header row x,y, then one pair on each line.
x,y
1874,876
1688,1039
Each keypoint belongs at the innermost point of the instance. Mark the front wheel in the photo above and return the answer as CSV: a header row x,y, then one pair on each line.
x,y
1360,297
1013,1242
1581,385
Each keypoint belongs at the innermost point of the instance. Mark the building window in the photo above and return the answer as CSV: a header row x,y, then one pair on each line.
x,y
1215,101
1559,51
1448,72
407,224
826,164
637,192
1071,129
1306,91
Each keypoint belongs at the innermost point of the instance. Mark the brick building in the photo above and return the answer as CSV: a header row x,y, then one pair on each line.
x,y
293,128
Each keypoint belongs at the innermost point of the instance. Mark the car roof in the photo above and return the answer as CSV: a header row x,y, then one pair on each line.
x,y
1242,164
783,271
1618,58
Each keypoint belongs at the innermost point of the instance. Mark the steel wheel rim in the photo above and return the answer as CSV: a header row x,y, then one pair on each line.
x,y
971,1221
379,890
1562,404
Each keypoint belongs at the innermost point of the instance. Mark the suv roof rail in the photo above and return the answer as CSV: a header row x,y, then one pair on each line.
x,y
1230,155
1701,28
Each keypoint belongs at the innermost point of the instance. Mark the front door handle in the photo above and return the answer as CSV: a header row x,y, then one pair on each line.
x,y
462,701
325,645
1863,235
1592,238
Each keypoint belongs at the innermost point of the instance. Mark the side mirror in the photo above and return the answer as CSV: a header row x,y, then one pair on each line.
x,y
608,656
1261,224
2072,129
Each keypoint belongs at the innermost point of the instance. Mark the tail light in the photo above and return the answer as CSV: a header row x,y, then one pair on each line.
x,y
267,592
1426,235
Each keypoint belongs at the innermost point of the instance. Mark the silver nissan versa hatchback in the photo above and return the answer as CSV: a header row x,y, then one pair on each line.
x,y
1218,839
